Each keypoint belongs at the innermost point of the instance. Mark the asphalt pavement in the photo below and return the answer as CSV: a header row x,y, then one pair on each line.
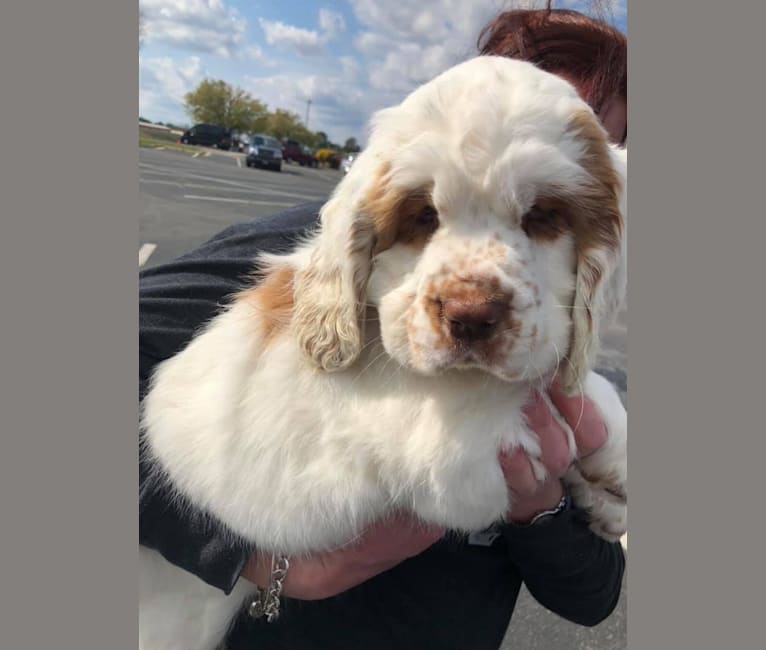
x,y
186,200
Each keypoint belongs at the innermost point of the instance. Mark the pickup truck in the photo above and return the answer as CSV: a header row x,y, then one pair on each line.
x,y
296,152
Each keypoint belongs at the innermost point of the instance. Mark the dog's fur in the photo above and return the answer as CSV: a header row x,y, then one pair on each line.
x,y
343,385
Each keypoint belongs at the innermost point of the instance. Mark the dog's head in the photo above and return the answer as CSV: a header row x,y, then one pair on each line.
x,y
486,222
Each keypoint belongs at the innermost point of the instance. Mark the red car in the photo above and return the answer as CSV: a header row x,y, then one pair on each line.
x,y
294,151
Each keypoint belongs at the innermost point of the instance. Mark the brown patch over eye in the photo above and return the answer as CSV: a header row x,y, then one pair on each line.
x,y
546,220
400,216
418,220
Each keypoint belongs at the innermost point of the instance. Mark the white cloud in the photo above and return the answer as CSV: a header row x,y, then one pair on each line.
x,y
395,46
255,53
418,38
403,44
399,46
372,43
198,25
339,108
305,41
350,68
331,23
162,85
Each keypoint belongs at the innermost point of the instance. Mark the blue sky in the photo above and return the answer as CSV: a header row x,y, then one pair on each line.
x,y
350,57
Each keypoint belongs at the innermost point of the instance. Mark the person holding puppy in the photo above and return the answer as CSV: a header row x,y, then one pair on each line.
x,y
402,585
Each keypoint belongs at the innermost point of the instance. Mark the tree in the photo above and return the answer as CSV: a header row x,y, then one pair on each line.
x,y
351,146
286,124
283,124
304,136
322,138
214,101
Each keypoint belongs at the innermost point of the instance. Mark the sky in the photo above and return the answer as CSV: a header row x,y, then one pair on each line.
x,y
349,57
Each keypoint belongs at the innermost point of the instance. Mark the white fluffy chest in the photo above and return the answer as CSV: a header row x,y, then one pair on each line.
x,y
299,459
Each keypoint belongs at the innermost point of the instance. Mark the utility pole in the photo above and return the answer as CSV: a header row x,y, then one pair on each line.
x,y
308,106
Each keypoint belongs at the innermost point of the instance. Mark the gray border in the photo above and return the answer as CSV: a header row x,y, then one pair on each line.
x,y
68,479
695,561
67,467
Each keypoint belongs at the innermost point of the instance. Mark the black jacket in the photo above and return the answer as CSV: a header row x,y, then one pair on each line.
x,y
454,595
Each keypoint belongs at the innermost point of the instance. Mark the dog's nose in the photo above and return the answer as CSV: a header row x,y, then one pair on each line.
x,y
473,321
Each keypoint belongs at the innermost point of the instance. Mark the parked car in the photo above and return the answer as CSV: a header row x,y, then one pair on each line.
x,y
210,135
264,151
239,141
293,151
347,161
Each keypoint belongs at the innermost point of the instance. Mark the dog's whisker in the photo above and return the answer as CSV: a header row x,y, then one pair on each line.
x,y
368,366
582,393
558,361
372,341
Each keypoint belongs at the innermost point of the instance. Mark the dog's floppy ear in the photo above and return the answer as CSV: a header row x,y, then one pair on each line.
x,y
330,293
601,243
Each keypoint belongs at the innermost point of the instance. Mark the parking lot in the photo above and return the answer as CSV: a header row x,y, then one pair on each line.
x,y
185,200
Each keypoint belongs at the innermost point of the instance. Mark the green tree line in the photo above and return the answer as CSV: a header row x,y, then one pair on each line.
x,y
214,101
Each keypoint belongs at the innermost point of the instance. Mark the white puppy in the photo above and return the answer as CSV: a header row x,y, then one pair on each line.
x,y
470,253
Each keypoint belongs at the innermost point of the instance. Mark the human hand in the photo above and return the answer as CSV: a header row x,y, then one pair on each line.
x,y
381,547
530,496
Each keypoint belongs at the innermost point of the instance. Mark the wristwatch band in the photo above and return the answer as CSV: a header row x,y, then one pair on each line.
x,y
546,515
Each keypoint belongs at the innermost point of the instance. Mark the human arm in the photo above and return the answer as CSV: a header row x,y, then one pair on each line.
x,y
565,566
383,545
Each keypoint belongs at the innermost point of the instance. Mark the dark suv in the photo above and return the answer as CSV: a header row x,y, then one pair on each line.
x,y
264,151
209,135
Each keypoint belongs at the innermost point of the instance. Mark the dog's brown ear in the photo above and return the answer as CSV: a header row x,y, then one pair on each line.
x,y
601,242
330,295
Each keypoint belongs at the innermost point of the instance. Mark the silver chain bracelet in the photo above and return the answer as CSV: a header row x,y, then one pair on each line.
x,y
265,602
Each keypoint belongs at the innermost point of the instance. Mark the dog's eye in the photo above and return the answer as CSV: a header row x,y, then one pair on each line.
x,y
543,222
417,223
427,217
537,213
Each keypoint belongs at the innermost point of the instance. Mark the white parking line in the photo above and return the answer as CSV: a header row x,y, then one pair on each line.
x,y
149,169
224,200
194,155
156,181
236,190
257,190
239,163
144,252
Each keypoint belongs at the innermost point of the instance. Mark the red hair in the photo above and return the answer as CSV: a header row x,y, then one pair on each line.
x,y
589,53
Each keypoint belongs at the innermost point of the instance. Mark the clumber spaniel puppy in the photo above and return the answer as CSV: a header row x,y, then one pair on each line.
x,y
471,252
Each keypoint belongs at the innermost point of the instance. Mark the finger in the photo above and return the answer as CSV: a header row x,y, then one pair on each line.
x,y
518,472
582,416
554,446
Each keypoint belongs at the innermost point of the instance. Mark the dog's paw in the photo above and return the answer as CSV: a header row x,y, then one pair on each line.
x,y
598,482
600,490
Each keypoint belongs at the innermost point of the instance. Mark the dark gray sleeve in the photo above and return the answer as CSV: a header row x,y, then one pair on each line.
x,y
567,568
175,300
